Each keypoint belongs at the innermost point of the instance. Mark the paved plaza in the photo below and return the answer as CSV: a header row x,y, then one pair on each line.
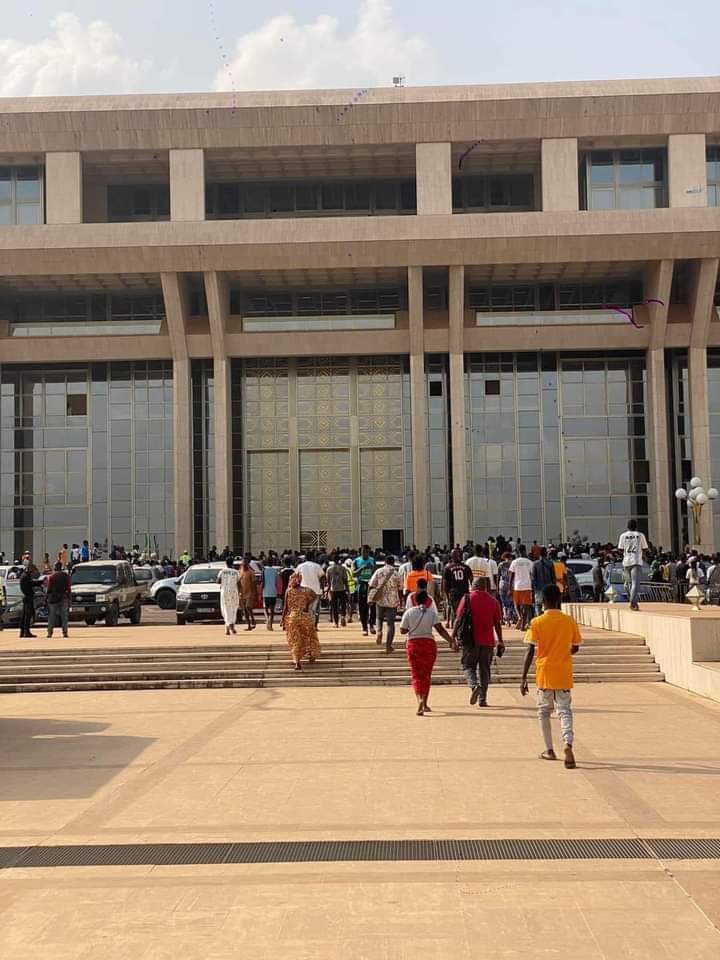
x,y
354,763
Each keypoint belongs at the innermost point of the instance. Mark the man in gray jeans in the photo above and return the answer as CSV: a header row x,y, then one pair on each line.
x,y
58,600
385,591
633,545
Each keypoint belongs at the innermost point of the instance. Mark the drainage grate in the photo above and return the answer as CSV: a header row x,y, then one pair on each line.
x,y
336,851
700,848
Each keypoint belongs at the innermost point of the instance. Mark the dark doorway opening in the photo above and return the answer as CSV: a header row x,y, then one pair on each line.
x,y
392,541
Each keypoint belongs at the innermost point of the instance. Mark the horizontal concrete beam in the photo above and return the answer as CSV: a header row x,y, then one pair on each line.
x,y
541,237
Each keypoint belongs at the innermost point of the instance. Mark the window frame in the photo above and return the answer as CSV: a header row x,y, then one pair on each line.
x,y
13,204
615,187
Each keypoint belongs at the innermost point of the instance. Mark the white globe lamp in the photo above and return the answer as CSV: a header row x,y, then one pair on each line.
x,y
681,493
696,482
713,494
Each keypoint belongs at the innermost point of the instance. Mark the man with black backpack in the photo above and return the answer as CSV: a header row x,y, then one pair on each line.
x,y
479,622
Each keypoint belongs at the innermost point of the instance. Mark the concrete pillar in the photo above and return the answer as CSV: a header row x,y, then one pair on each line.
x,y
687,173
703,277
656,286
63,188
187,185
177,310
418,410
217,292
559,164
456,306
434,177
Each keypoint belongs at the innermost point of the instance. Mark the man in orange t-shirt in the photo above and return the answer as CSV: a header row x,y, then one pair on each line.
x,y
555,638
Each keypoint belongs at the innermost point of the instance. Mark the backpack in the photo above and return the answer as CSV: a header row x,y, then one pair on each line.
x,y
464,627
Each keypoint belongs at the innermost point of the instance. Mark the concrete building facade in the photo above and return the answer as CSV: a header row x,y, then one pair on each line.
x,y
282,319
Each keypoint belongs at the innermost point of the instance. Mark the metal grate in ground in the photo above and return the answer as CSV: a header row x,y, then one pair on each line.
x,y
336,851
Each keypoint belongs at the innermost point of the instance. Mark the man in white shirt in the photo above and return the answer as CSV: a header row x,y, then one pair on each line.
x,y
633,544
313,577
483,566
521,586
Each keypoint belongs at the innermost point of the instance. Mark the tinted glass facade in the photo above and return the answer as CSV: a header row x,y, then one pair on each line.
x,y
21,196
322,446
625,179
86,453
555,444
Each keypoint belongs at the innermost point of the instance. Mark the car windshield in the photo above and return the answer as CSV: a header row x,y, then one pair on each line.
x,y
142,573
86,574
201,576
12,589
617,574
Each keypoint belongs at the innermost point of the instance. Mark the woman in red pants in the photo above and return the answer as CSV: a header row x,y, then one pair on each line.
x,y
418,622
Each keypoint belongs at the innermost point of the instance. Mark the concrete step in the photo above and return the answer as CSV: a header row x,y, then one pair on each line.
x,y
295,680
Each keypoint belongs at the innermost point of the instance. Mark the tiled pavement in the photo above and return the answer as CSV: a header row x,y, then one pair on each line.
x,y
355,763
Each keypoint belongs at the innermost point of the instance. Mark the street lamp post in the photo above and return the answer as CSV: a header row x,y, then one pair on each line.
x,y
696,496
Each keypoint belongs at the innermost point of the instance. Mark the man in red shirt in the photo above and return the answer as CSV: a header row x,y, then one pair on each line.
x,y
477,650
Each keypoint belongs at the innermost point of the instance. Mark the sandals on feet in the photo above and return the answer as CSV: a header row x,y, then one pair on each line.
x,y
548,755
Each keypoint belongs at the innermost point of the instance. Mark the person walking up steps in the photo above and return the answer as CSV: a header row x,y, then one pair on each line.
x,y
229,595
479,646
364,567
339,588
418,622
270,575
555,639
385,591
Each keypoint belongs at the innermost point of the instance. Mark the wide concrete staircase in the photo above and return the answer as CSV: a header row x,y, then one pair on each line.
x,y
604,657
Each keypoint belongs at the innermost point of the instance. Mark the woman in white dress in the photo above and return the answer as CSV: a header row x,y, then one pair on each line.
x,y
229,595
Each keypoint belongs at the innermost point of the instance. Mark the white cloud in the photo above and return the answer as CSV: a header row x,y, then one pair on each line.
x,y
75,58
284,54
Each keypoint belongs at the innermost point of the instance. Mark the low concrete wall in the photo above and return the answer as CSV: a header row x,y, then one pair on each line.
x,y
680,639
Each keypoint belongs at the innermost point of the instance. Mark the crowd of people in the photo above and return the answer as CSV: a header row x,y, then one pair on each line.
x,y
465,594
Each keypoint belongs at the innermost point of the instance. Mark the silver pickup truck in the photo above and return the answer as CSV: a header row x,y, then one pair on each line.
x,y
105,590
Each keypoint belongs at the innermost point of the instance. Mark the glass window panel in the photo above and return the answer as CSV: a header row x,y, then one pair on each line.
x,y
228,200
29,214
357,196
306,196
253,198
5,184
602,199
386,196
475,191
333,197
282,199
28,184
499,192
408,195
6,214
601,168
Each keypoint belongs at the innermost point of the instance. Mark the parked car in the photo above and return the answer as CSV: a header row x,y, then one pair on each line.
x,y
164,592
11,615
583,571
105,590
146,577
198,597
616,576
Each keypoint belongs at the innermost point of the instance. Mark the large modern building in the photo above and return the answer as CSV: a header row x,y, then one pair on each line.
x,y
411,315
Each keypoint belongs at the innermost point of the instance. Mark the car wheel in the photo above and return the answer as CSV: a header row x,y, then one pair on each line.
x,y
180,620
165,599
112,616
135,614
90,621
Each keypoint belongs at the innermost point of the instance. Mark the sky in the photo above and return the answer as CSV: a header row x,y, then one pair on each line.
x,y
66,47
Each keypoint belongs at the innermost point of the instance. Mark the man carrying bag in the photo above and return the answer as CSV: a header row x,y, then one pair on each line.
x,y
479,622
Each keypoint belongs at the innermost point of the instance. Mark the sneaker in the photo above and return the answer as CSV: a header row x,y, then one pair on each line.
x,y
482,702
372,629
342,622
365,633
474,695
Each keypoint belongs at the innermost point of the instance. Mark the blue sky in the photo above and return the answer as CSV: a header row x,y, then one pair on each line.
x,y
70,47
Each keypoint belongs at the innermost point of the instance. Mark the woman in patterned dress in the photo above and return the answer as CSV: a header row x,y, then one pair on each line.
x,y
299,622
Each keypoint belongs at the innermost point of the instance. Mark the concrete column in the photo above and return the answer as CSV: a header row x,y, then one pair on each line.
x,y
703,276
418,410
434,178
177,310
687,174
294,454
559,164
456,305
656,286
217,292
187,185
63,188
